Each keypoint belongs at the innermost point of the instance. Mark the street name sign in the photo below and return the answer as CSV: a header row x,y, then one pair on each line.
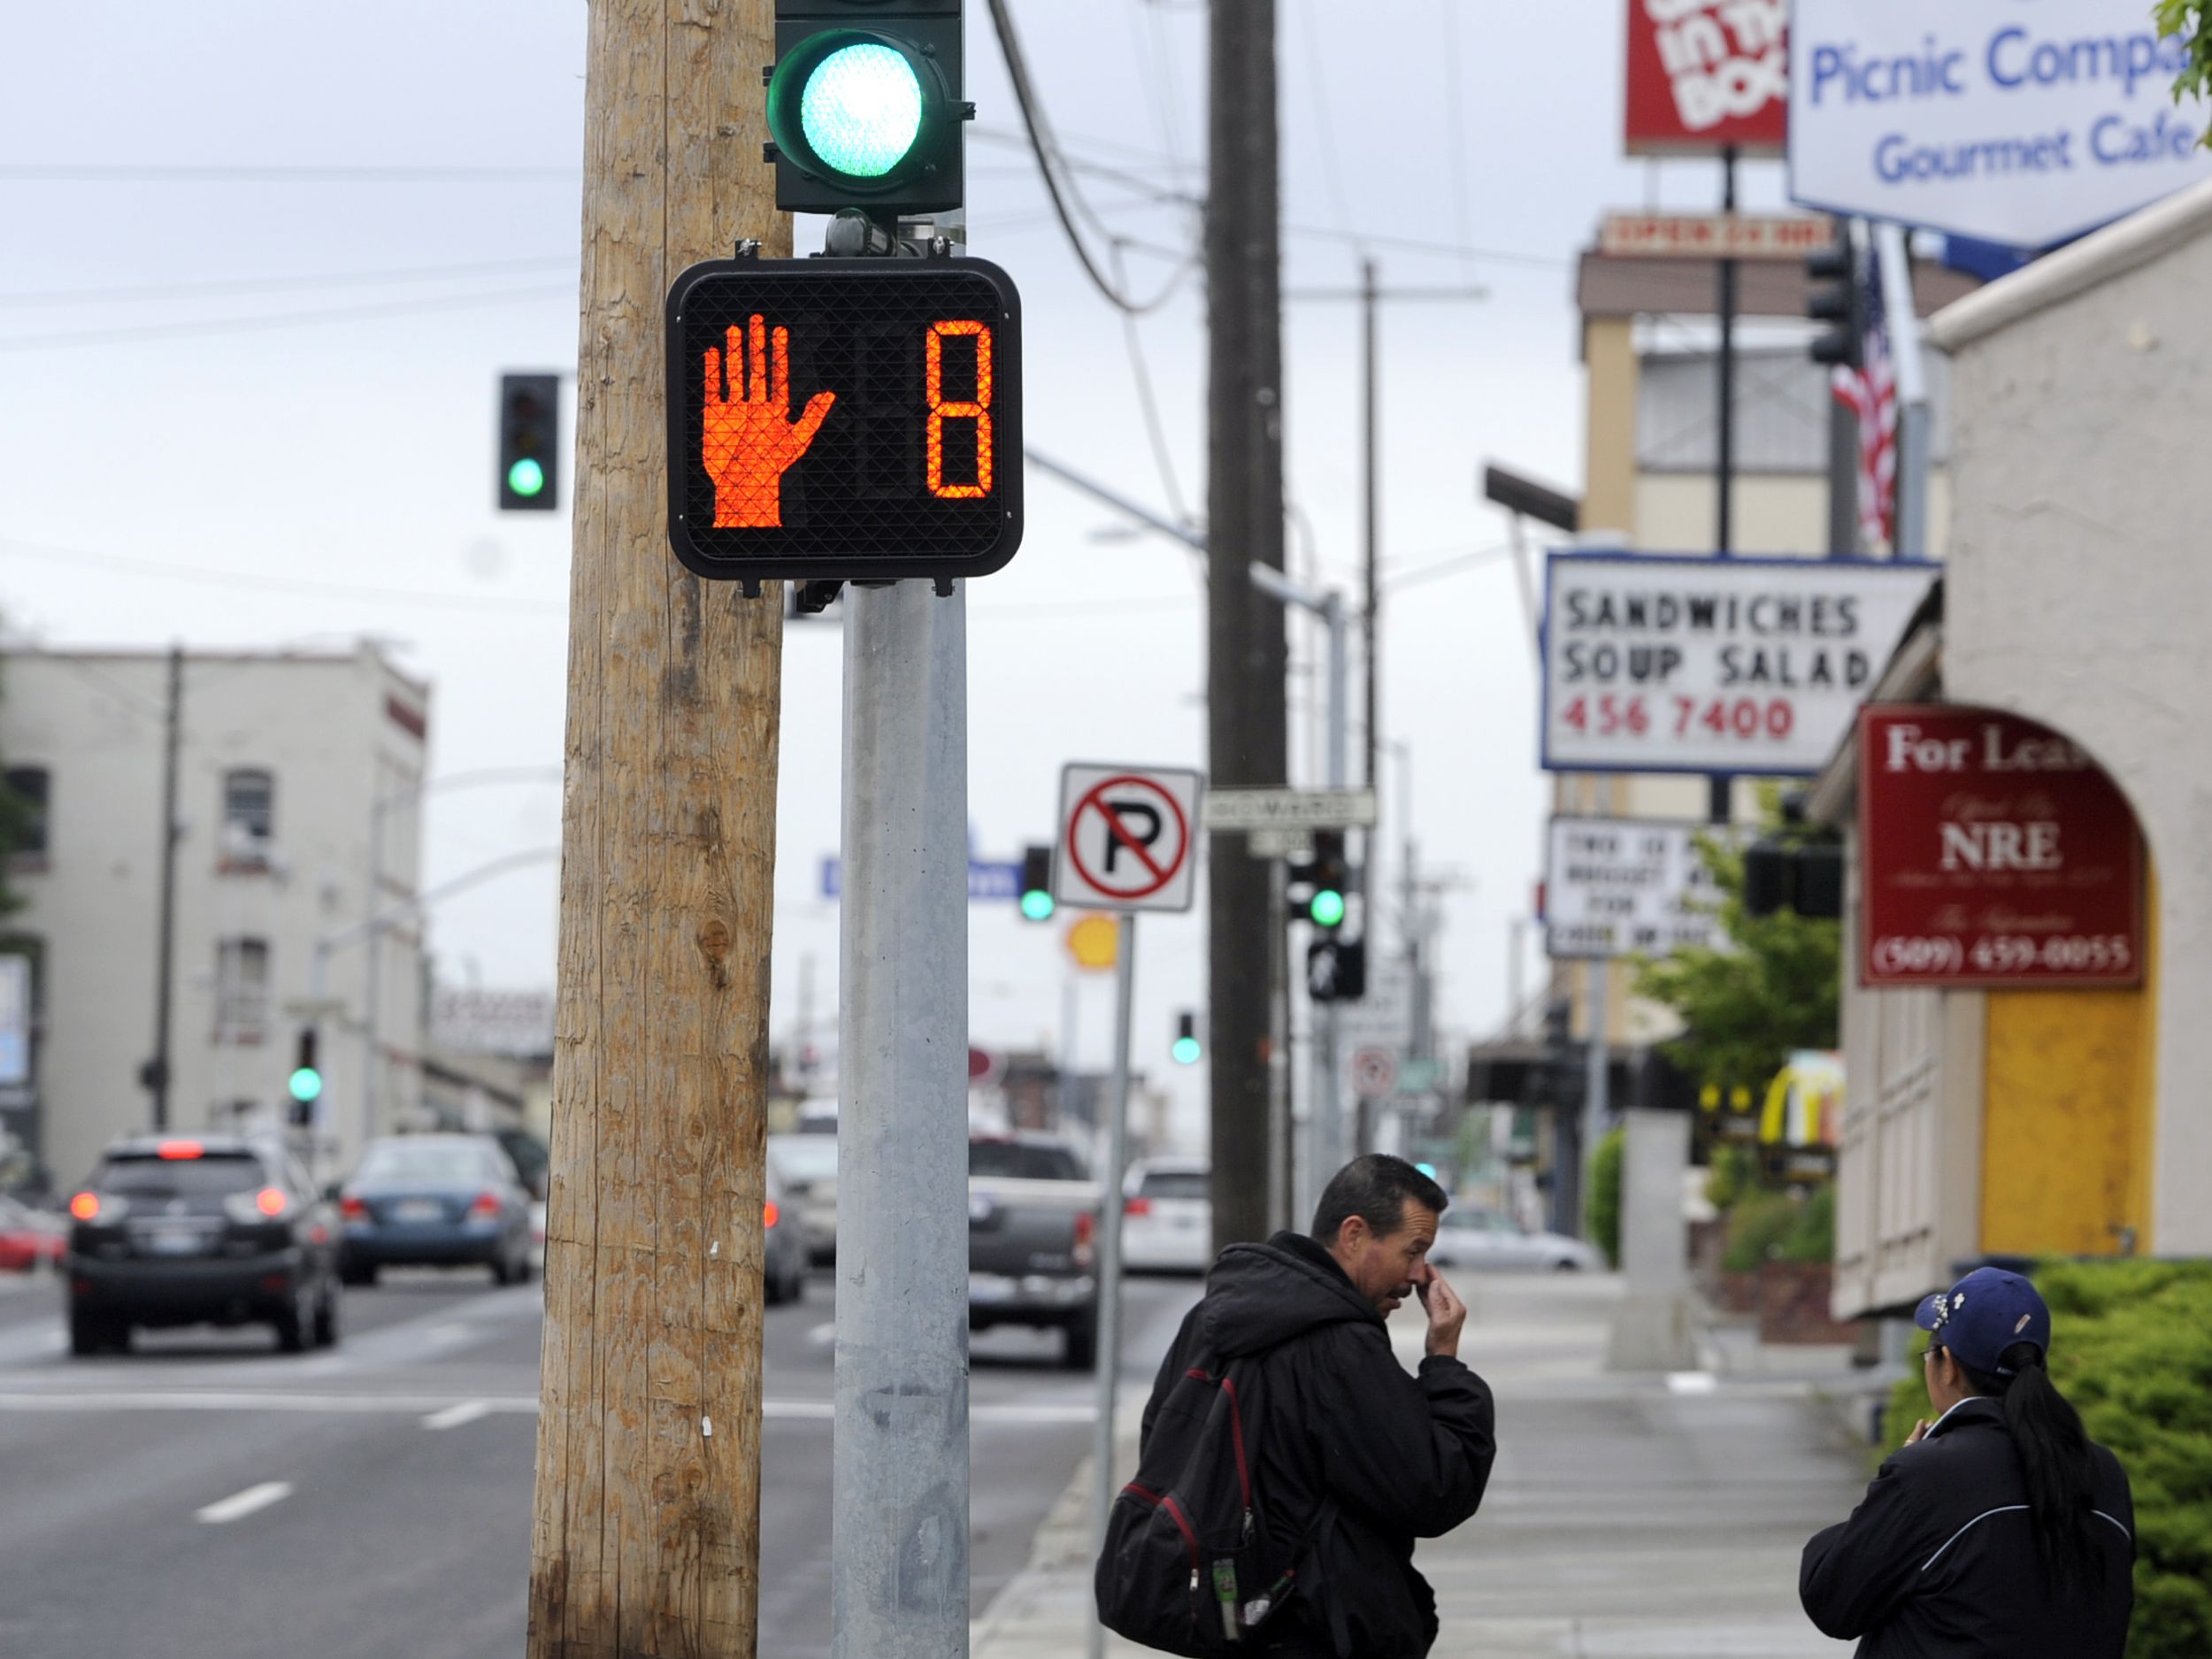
x,y
1757,666
844,419
1627,887
2023,122
1279,843
1128,838
1289,809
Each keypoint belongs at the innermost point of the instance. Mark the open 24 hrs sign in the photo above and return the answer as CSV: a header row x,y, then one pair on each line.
x,y
844,419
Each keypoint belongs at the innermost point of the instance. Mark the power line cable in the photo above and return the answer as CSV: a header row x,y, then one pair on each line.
x,y
258,285
287,319
1456,122
1147,401
1332,169
256,582
1042,146
139,172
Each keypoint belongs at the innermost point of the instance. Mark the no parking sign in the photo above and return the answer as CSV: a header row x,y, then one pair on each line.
x,y
1128,838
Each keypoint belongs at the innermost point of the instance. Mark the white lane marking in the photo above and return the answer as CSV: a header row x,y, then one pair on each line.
x,y
241,1504
822,1335
453,1416
1692,1382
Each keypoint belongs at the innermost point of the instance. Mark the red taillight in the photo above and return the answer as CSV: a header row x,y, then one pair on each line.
x,y
85,1207
271,1200
768,1214
179,1149
486,1204
1137,1207
352,1209
1086,1224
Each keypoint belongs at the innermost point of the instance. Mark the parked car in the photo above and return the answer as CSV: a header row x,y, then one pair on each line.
x,y
532,1159
217,1230
30,1239
807,1165
440,1200
1167,1217
783,1256
1487,1242
1032,1218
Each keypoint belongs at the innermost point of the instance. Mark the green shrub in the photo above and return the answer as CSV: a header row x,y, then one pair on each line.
x,y
2131,1348
1812,1237
1605,1195
1757,1227
1733,1170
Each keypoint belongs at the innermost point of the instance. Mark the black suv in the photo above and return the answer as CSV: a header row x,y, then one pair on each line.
x,y
195,1231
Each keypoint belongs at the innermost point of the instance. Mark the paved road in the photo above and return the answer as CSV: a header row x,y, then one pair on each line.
x,y
207,1498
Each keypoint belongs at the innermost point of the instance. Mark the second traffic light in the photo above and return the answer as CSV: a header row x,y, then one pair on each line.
x,y
1324,880
1036,894
306,1081
864,106
1187,1050
529,442
1834,294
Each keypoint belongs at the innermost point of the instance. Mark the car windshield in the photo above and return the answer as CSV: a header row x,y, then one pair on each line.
x,y
1174,1184
203,1177
804,1158
1016,1160
397,1163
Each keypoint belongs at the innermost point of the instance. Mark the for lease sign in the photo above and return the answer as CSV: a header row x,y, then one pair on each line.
x,y
1747,667
1992,852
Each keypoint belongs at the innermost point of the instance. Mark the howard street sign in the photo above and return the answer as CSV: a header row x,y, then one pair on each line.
x,y
1289,808
844,419
1128,838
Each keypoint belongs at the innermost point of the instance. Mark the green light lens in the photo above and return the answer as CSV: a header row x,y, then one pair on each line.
x,y
525,477
1327,908
1037,905
1186,1051
306,1083
862,110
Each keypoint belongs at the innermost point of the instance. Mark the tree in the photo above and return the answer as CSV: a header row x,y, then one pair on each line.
x,y
2190,19
1772,987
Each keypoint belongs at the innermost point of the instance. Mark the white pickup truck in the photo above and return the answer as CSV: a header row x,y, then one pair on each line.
x,y
1032,1218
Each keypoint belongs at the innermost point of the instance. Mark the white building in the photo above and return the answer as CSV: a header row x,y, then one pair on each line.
x,y
282,761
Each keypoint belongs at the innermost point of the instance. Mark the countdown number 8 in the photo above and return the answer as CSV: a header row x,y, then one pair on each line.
x,y
940,410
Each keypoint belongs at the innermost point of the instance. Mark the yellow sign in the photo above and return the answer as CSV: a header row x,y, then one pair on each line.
x,y
1095,941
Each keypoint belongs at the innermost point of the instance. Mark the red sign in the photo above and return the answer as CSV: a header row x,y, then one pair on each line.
x,y
1703,74
1993,852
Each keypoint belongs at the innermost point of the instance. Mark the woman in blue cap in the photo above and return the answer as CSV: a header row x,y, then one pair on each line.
x,y
2001,1530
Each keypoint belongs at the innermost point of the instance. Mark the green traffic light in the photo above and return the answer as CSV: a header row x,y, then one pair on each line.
x,y
306,1084
861,110
1327,908
1037,905
1186,1051
526,478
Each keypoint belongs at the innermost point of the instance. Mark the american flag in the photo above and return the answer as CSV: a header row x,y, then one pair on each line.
x,y
1871,395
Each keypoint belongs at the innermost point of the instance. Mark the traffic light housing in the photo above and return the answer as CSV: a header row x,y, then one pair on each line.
x,y
1187,1050
1037,902
1834,294
1336,969
865,104
529,442
306,1081
1324,880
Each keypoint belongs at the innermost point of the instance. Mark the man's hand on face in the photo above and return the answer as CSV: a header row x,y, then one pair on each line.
x,y
1447,1314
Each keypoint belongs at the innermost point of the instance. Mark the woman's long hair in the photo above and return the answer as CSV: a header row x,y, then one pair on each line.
x,y
2055,1456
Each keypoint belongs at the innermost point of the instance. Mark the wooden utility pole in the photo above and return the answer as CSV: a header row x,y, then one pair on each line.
x,y
646,1538
1245,728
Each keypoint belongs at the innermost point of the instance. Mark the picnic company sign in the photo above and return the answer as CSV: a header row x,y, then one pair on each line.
x,y
1993,852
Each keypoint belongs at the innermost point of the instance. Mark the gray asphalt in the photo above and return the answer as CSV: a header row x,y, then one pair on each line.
x,y
407,1456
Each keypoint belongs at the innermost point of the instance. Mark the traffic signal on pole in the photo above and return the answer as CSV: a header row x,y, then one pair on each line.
x,y
1326,881
1834,294
529,441
1036,897
1187,1050
864,106
306,1081
1336,970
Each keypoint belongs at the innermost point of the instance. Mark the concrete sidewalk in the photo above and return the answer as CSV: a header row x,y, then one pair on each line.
x,y
1630,1517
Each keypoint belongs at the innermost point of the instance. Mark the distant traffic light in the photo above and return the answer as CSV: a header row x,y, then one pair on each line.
x,y
306,1081
529,442
1036,897
864,106
1834,294
1324,879
1336,970
1187,1050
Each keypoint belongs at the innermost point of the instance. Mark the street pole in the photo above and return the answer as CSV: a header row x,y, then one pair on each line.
x,y
1597,1103
1281,1177
1720,787
158,1077
1911,540
1246,734
1843,448
1371,536
899,1475
645,1537
1103,1486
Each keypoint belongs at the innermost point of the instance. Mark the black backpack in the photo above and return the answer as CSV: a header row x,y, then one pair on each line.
x,y
1190,1565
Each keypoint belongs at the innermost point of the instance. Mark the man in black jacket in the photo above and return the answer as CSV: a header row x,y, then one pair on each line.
x,y
1399,1458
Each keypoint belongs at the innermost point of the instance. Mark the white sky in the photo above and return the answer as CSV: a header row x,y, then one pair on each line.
x,y
172,484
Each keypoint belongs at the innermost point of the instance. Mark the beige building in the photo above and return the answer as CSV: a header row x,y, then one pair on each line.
x,y
282,761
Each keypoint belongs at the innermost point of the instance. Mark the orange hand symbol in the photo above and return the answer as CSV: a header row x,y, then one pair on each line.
x,y
751,439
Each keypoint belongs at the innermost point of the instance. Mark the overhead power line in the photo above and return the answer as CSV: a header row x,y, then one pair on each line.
x,y
139,173
258,582
286,319
265,284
